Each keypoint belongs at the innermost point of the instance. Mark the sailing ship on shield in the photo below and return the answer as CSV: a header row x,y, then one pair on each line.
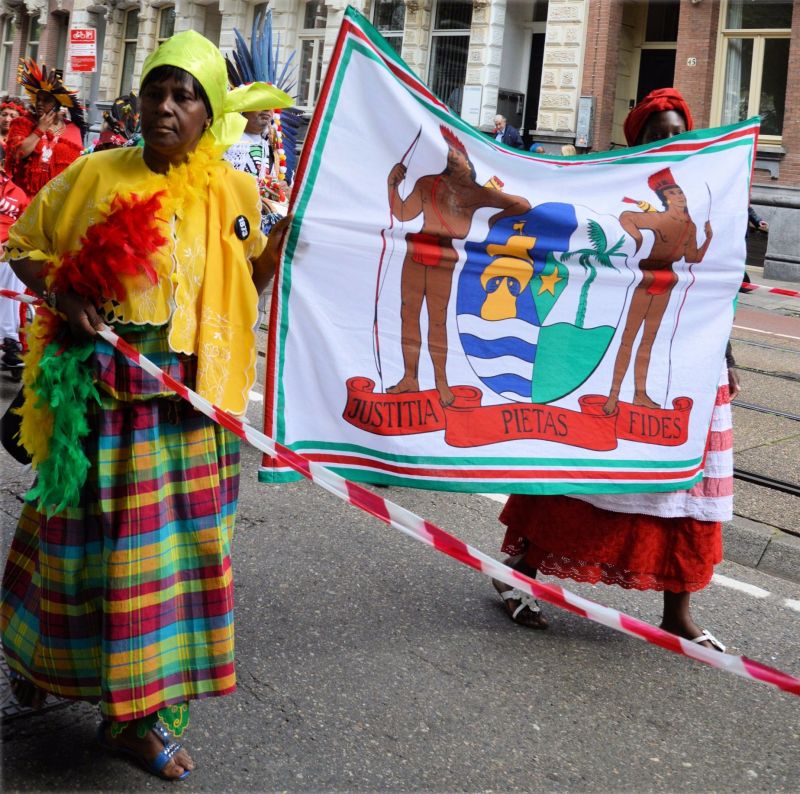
x,y
508,288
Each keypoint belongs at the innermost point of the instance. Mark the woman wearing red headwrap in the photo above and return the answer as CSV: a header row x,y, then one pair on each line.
x,y
666,542
661,114
8,112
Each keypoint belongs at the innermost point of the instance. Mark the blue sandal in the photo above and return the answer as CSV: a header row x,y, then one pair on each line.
x,y
157,764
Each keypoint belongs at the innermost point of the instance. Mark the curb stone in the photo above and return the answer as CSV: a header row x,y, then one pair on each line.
x,y
762,547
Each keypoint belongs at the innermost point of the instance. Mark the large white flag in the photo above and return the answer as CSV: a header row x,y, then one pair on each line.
x,y
454,314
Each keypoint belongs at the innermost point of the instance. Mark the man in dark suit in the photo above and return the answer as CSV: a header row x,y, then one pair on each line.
x,y
505,133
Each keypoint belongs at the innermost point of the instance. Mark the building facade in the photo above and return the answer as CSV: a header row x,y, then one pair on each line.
x,y
32,29
561,71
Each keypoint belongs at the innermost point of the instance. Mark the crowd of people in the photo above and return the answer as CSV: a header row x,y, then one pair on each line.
x,y
41,137
99,621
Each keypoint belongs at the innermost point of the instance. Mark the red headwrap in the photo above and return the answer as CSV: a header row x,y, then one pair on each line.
x,y
18,106
655,102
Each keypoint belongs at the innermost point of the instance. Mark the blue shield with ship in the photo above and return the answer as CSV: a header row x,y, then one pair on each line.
x,y
508,287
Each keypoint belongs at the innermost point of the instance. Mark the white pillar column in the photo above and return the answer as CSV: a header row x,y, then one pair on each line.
x,y
563,61
486,53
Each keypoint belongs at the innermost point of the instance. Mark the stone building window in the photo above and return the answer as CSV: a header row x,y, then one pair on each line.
x,y
9,32
212,24
312,42
61,22
166,23
389,17
753,63
259,9
34,34
449,50
659,46
130,36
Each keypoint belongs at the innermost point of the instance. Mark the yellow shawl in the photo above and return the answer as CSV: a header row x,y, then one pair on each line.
x,y
204,289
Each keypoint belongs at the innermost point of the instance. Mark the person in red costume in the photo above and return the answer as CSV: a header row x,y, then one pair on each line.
x,y
8,112
13,202
40,145
666,542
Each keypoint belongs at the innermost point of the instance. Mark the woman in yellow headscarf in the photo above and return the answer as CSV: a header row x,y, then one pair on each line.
x,y
118,585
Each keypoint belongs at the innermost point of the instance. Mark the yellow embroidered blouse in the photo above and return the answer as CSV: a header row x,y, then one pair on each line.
x,y
204,289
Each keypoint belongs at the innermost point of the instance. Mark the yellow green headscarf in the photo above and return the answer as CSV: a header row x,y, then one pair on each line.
x,y
197,55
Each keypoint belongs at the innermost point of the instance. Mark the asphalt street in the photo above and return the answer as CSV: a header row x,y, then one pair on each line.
x,y
368,662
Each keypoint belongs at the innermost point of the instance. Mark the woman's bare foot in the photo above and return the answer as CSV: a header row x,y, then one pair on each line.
x,y
148,749
678,620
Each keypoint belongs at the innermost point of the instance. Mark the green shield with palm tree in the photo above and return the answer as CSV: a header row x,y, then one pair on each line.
x,y
569,353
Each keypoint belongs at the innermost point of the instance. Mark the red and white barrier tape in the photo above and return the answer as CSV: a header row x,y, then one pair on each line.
x,y
18,296
426,532
788,293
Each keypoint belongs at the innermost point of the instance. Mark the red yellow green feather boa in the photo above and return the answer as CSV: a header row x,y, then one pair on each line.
x,y
58,376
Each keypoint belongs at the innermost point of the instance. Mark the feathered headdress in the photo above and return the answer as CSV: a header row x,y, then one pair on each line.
x,y
123,118
452,140
261,63
661,180
35,79
120,124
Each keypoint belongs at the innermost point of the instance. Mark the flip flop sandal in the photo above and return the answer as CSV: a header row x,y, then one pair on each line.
x,y
157,764
533,618
707,636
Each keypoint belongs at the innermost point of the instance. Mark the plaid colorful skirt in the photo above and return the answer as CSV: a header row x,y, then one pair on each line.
x,y
127,599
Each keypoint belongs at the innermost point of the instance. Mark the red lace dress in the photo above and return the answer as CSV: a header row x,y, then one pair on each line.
x,y
666,541
53,153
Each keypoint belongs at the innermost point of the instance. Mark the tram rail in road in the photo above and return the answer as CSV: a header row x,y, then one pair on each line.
x,y
764,410
767,482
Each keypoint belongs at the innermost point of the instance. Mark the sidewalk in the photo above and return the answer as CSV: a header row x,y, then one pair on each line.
x,y
769,301
760,545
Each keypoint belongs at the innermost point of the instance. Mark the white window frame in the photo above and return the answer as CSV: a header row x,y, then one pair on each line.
x,y
32,47
390,35
7,44
128,43
758,36
317,38
443,33
159,38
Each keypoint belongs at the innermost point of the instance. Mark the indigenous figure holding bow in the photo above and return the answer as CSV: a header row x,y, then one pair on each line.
x,y
675,238
447,201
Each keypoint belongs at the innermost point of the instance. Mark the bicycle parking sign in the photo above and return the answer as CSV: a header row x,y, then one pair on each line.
x,y
83,50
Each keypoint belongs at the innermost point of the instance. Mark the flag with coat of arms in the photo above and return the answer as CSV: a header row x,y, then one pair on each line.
x,y
451,313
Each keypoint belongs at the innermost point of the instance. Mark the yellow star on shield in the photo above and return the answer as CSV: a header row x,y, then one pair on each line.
x,y
549,282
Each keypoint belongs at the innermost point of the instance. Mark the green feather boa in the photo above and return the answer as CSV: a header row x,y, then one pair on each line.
x,y
65,384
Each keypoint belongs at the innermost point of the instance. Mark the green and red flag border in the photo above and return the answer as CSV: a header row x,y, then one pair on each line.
x,y
475,474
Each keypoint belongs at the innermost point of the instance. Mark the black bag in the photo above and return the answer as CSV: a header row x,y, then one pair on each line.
x,y
9,431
